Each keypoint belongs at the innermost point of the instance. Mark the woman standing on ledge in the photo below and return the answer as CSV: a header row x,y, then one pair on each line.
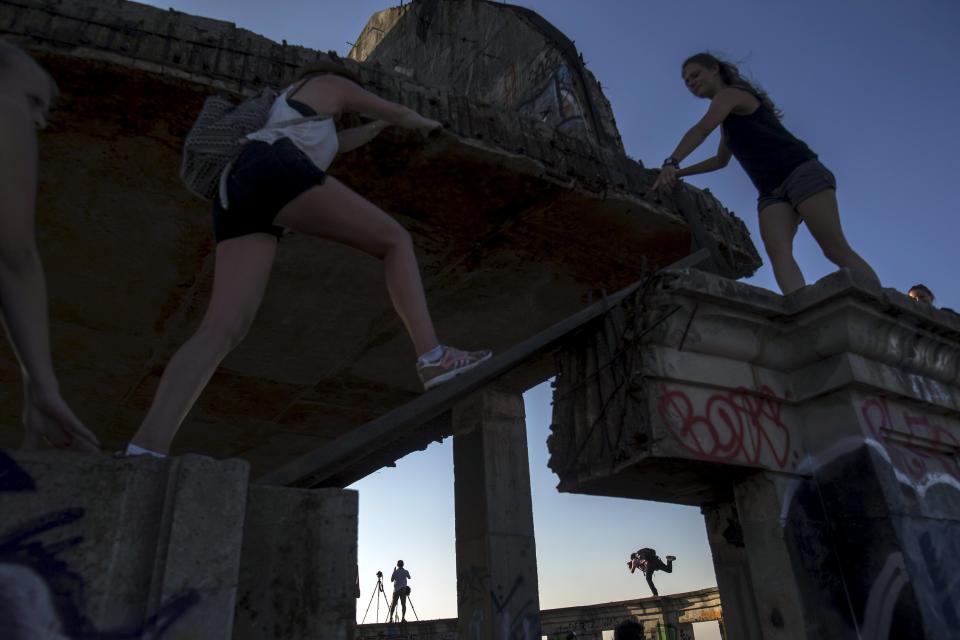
x,y
793,185
279,181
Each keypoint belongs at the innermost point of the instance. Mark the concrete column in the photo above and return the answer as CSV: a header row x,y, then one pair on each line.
x,y
497,591
733,572
298,576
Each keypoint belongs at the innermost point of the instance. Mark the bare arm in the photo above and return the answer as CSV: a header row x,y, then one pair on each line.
x,y
333,94
719,161
720,107
355,137
23,291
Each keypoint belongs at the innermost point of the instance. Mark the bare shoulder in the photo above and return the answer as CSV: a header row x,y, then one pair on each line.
x,y
740,101
328,93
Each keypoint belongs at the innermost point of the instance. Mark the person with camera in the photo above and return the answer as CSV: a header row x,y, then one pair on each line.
x,y
400,590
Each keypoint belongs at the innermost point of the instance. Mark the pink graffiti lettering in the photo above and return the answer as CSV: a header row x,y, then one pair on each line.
x,y
931,441
740,425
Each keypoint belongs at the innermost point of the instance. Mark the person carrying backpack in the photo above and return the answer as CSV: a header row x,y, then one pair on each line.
x,y
647,561
279,181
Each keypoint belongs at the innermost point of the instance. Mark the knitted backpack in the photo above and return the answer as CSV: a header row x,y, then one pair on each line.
x,y
218,136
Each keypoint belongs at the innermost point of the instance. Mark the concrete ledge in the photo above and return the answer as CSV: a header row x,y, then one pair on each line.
x,y
137,546
298,576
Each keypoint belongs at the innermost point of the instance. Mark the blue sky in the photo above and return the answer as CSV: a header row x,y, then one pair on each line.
x,y
872,86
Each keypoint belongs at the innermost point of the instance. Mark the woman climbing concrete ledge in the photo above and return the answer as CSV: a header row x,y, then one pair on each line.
x,y
794,186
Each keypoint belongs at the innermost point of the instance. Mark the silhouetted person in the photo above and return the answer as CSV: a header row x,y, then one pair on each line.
x,y
793,185
628,630
400,590
648,561
26,92
921,293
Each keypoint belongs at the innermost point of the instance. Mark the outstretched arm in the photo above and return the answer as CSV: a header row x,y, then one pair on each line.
x,y
355,137
23,291
718,161
720,107
353,97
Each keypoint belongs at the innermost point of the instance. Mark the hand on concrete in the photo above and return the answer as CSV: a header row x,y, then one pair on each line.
x,y
667,178
51,423
425,125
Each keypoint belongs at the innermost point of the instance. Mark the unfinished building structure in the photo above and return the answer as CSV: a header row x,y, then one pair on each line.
x,y
522,210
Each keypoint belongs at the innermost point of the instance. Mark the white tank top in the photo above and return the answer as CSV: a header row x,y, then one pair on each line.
x,y
316,138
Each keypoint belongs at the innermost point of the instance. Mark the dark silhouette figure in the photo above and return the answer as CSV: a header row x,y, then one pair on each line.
x,y
648,561
628,630
400,590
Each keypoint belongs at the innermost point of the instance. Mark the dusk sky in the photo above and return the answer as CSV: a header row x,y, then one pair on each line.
x,y
872,87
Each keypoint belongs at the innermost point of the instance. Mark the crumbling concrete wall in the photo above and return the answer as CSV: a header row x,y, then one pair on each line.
x,y
819,432
496,53
92,546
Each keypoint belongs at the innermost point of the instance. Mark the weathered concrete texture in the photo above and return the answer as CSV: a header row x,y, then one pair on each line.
x,y
174,548
819,431
587,621
515,225
497,593
500,54
137,546
298,576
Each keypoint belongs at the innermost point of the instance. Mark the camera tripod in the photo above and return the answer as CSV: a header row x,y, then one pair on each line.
x,y
378,589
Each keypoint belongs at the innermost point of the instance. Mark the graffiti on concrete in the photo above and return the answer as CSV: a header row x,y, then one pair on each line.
x,y
39,590
921,448
671,632
556,104
729,426
882,600
516,621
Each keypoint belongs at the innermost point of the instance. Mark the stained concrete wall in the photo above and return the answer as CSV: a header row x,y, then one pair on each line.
x,y
92,546
499,54
298,569
820,433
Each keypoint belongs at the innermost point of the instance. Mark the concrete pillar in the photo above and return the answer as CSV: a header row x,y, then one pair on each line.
x,y
132,547
497,591
725,536
298,576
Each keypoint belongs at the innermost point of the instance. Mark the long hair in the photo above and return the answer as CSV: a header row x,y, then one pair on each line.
x,y
327,66
731,75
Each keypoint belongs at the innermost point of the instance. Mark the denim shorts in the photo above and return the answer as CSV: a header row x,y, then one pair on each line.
x,y
262,181
808,179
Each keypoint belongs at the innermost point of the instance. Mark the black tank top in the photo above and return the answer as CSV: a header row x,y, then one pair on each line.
x,y
764,148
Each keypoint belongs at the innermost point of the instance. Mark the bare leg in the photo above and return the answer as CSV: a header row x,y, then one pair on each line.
x,y
778,227
242,271
822,216
393,605
334,212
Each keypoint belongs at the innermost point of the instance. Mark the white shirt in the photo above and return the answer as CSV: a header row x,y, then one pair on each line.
x,y
399,578
316,138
